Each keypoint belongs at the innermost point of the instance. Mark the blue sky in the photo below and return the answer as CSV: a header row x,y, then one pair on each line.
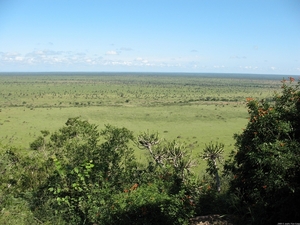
x,y
202,36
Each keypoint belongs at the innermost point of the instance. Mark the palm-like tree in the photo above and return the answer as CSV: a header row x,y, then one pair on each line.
x,y
213,153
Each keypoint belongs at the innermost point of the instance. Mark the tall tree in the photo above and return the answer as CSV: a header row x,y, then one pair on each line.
x,y
266,165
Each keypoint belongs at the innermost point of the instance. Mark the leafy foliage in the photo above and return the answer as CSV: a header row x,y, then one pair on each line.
x,y
171,154
19,177
213,154
96,179
266,165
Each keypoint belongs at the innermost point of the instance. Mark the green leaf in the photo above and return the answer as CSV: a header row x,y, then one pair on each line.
x,y
76,169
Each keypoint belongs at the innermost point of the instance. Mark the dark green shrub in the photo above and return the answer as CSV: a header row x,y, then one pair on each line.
x,y
145,204
37,143
266,165
96,179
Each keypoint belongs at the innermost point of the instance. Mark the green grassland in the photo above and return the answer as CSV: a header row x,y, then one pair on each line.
x,y
193,109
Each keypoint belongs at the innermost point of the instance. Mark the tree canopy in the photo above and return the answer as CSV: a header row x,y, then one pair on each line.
x,y
266,164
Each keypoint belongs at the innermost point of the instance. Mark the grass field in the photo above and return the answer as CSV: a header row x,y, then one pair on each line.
x,y
194,109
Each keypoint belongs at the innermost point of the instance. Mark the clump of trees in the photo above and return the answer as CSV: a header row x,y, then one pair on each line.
x,y
86,176
80,175
266,163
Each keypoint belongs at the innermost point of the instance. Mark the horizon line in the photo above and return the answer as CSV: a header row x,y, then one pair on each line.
x,y
151,72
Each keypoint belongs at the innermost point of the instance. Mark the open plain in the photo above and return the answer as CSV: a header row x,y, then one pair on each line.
x,y
192,108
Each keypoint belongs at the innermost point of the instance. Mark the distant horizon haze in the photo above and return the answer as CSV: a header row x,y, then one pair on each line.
x,y
131,73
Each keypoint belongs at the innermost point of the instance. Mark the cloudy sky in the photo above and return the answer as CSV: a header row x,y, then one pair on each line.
x,y
226,36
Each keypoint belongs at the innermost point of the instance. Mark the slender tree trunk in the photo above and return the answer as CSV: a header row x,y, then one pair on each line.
x,y
218,182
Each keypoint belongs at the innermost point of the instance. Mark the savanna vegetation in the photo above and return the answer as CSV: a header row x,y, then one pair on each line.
x,y
195,108
148,170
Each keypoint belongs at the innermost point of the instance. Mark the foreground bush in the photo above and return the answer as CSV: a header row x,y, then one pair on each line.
x,y
94,178
266,165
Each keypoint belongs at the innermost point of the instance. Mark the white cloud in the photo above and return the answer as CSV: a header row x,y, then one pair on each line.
x,y
111,53
44,53
40,59
141,60
249,67
19,58
8,57
117,63
46,58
